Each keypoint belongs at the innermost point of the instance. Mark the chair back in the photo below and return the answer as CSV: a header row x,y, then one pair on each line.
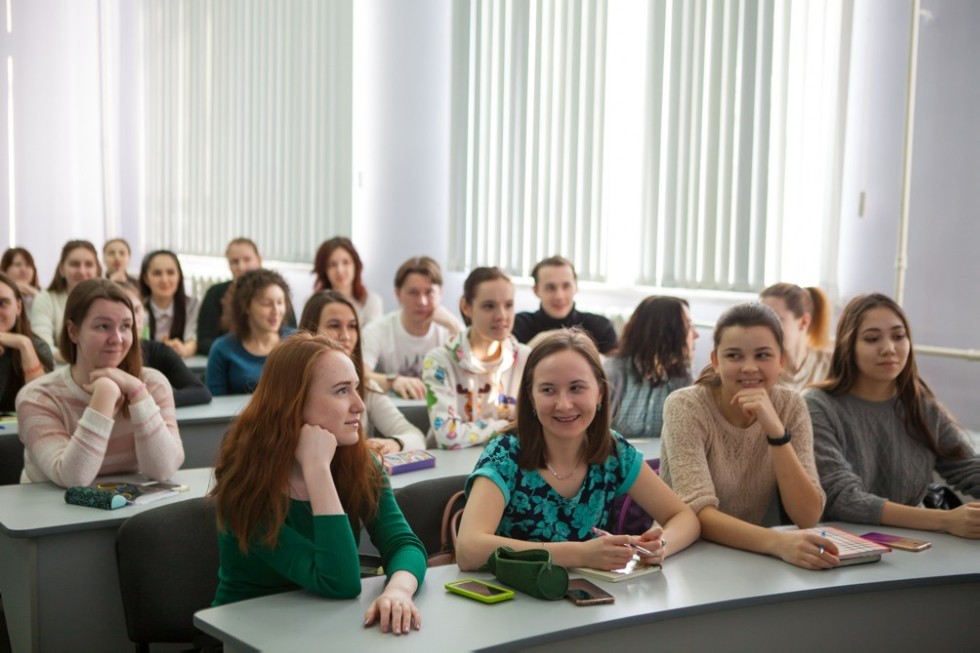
x,y
424,504
11,460
168,569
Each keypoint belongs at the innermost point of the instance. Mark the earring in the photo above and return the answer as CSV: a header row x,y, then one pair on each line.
x,y
534,412
598,408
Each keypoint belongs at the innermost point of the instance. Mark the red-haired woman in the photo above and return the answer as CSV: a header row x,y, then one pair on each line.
x,y
104,412
337,266
295,482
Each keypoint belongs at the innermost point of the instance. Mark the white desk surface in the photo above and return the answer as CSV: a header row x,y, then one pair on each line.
x,y
698,584
35,509
462,461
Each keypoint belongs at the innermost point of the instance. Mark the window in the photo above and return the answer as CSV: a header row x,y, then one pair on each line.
x,y
679,144
247,124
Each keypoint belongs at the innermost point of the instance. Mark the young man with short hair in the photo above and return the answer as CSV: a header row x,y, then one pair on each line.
x,y
395,345
243,256
555,284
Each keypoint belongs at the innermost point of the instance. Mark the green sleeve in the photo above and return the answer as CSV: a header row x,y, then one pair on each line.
x,y
327,565
399,547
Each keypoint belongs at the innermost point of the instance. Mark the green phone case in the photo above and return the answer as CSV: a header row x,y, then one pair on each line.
x,y
495,594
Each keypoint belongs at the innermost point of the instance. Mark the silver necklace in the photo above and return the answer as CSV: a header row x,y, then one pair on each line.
x,y
557,475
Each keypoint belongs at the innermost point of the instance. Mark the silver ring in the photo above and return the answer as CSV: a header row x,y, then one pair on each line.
x,y
663,543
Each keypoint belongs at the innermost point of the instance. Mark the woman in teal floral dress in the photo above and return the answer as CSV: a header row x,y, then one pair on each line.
x,y
549,483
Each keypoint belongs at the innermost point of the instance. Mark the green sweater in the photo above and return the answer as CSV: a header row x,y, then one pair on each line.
x,y
317,553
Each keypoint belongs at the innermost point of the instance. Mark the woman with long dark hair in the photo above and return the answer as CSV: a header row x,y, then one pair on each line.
x,y
338,266
879,432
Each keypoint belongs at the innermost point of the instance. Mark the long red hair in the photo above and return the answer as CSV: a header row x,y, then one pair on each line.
x,y
251,489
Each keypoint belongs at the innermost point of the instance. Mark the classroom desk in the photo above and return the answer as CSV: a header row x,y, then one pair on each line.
x,y
707,598
203,427
58,572
462,461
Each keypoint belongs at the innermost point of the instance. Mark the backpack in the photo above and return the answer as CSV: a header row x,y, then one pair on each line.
x,y
626,517
451,516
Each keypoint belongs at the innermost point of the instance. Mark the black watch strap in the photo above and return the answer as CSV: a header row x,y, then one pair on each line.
x,y
778,442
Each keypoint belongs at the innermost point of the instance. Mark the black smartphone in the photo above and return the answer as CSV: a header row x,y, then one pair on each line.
x,y
583,592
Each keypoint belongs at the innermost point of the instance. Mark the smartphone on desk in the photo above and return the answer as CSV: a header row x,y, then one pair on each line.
x,y
479,590
583,592
898,542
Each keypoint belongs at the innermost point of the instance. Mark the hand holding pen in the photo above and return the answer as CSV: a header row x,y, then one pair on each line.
x,y
651,553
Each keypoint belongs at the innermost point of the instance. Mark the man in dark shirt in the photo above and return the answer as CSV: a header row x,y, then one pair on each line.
x,y
555,284
243,256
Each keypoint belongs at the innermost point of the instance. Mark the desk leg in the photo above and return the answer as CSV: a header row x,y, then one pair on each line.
x,y
18,585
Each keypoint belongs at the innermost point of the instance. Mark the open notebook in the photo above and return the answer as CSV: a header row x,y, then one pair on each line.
x,y
854,550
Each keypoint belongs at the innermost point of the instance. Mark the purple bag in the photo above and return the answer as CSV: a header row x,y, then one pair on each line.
x,y
626,517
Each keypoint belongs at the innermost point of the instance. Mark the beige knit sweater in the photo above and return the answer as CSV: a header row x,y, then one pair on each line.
x,y
710,462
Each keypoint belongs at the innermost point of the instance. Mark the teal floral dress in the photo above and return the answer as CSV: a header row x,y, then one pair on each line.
x,y
535,512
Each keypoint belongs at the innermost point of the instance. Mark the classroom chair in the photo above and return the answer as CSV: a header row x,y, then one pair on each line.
x,y
423,505
11,460
168,569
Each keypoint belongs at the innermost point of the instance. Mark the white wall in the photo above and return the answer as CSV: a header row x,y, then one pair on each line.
x,y
943,262
57,126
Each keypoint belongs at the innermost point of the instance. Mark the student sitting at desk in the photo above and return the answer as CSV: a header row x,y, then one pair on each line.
x,y
188,389
79,261
295,482
255,307
330,314
242,255
472,381
549,484
653,360
395,346
171,311
23,356
805,316
104,412
879,432
18,264
735,441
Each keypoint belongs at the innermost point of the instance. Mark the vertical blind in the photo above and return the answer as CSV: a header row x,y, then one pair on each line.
x,y
528,89
247,124
731,90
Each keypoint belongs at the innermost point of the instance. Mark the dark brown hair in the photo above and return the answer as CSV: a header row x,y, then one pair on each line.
x,y
911,390
746,315
60,283
251,488
80,299
241,292
530,433
310,322
424,265
801,301
180,296
323,255
22,326
472,283
552,261
655,341
8,261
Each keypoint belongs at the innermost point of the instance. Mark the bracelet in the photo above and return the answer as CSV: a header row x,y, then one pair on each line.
x,y
34,370
778,442
129,396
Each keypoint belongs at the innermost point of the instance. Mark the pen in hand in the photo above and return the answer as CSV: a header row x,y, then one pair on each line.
x,y
635,547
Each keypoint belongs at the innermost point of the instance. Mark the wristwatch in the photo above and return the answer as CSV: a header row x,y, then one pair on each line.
x,y
778,442
390,380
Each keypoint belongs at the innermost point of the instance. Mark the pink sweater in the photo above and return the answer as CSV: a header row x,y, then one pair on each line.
x,y
709,462
67,442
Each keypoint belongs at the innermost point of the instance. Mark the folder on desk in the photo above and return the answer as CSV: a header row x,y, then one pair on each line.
x,y
853,550
408,461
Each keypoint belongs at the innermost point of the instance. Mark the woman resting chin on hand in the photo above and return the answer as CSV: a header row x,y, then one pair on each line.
x,y
295,482
103,413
